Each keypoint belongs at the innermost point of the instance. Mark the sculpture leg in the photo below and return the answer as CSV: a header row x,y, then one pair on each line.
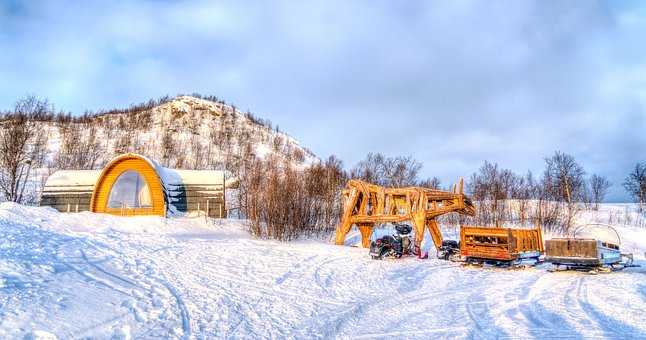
x,y
366,231
435,232
346,221
341,231
419,223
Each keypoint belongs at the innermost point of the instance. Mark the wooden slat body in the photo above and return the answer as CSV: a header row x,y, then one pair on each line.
x,y
503,244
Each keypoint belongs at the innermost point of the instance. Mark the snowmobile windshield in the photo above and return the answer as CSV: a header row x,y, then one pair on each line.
x,y
598,231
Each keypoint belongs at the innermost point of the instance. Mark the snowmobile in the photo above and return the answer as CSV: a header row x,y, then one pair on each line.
x,y
395,245
449,250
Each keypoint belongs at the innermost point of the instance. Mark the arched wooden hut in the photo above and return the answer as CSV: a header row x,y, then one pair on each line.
x,y
131,184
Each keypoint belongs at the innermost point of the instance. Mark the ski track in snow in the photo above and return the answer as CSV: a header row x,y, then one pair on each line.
x,y
212,282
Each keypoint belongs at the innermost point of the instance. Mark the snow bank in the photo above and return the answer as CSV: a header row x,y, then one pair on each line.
x,y
47,218
85,275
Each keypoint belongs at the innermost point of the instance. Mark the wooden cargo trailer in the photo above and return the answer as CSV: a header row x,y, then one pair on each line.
x,y
482,244
581,252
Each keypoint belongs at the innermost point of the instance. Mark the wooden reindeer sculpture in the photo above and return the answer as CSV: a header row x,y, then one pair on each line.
x,y
367,204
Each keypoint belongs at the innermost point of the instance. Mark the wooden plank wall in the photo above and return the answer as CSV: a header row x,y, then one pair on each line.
x,y
571,248
70,201
209,199
506,243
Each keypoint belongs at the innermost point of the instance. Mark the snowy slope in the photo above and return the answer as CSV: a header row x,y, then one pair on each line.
x,y
87,275
198,127
183,133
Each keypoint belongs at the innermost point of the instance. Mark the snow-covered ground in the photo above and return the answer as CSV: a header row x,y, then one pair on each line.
x,y
87,275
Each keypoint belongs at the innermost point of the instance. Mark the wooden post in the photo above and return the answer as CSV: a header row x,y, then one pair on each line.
x,y
346,221
366,231
419,219
435,232
68,207
207,207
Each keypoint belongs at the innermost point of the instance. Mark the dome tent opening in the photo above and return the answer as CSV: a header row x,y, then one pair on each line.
x,y
130,190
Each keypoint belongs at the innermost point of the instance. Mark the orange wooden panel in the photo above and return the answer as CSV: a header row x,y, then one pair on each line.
x,y
515,242
109,176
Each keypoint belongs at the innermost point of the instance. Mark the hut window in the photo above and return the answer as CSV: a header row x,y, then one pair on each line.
x,y
130,190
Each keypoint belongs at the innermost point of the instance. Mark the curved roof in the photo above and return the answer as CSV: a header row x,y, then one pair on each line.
x,y
129,162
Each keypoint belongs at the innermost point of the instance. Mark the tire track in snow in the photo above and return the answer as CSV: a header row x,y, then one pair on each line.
x,y
317,273
363,304
95,279
107,273
533,311
186,318
476,316
295,268
183,311
477,308
572,299
608,326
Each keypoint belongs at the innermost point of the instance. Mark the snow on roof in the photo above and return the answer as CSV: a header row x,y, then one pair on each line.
x,y
69,178
191,177
173,177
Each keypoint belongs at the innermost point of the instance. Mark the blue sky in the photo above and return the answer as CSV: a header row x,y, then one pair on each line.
x,y
450,82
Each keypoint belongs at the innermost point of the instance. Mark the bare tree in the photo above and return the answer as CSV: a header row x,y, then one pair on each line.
x,y
283,202
388,171
431,183
370,169
635,184
401,171
80,147
22,146
491,187
167,147
198,152
564,182
599,186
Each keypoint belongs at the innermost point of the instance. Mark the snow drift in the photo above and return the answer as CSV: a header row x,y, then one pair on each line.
x,y
90,275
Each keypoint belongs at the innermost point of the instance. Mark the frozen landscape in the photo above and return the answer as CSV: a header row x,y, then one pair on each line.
x,y
89,275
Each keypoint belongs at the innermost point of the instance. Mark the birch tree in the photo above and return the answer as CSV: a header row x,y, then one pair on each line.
x,y
22,146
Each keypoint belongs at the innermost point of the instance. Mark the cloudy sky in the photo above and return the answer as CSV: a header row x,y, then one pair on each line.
x,y
450,82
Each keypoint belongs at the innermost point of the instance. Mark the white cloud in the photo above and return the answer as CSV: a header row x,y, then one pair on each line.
x,y
506,81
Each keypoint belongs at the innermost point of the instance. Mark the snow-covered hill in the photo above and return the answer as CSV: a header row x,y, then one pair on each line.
x,y
88,275
185,132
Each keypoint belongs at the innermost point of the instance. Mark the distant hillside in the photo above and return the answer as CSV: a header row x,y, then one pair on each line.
x,y
185,132
188,132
